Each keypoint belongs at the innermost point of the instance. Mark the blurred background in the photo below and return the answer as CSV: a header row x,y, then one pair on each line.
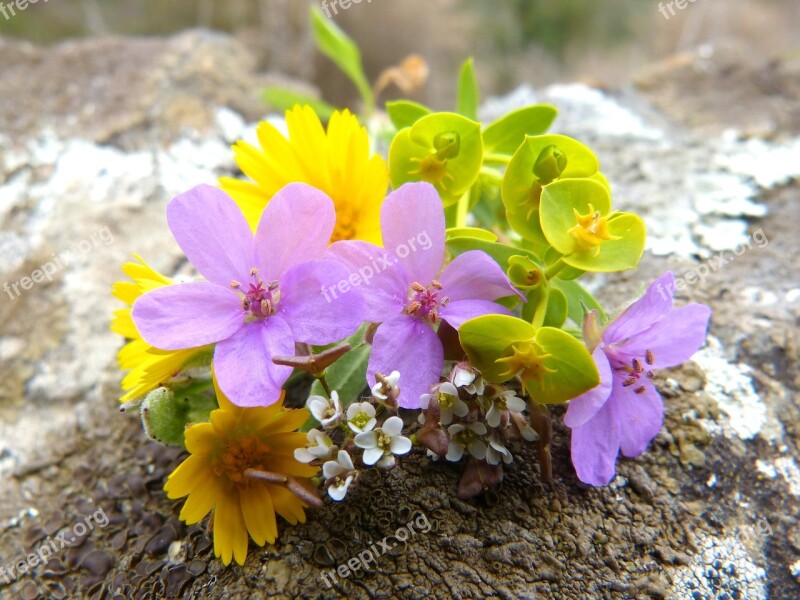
x,y
601,43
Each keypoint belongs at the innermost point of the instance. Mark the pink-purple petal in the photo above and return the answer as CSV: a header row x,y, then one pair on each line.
x,y
213,234
187,315
315,314
456,313
412,226
384,281
243,363
295,227
594,447
638,416
653,306
585,406
474,275
411,347
672,340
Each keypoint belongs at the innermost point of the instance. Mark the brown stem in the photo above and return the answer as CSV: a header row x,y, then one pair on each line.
x,y
543,425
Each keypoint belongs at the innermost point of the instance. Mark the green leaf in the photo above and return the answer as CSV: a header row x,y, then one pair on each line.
x,y
561,369
521,190
404,113
577,297
468,93
505,135
501,253
348,375
556,312
343,51
487,338
286,99
559,202
444,149
470,232
562,199
575,370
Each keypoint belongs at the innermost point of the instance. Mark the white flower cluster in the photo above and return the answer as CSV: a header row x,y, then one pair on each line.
x,y
380,444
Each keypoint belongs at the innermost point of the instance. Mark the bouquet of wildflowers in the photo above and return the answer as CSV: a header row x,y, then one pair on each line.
x,y
433,295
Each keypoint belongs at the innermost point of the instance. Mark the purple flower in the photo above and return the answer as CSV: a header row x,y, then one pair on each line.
x,y
262,293
410,290
625,412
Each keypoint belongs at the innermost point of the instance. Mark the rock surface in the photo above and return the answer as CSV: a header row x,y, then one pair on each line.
x,y
93,146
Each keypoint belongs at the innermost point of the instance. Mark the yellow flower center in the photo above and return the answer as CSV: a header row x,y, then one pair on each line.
x,y
528,361
591,231
433,170
446,400
360,419
345,228
238,456
383,441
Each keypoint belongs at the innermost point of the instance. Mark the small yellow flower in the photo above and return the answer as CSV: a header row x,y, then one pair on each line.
x,y
149,367
219,474
591,231
338,162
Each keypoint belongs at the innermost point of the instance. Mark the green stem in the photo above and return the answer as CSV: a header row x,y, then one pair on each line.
x,y
555,268
324,382
541,308
463,209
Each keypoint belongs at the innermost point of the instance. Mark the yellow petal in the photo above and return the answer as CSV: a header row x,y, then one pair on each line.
x,y
184,479
256,506
286,504
230,532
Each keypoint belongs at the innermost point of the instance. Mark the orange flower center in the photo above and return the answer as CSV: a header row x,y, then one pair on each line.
x,y
239,455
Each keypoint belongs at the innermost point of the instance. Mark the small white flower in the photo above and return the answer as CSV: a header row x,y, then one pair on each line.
x,y
505,400
340,473
466,437
326,411
381,444
319,447
497,452
446,395
467,377
383,389
361,417
529,434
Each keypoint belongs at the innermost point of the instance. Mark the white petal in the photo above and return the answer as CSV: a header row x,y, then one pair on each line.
x,y
424,401
448,388
400,445
367,439
478,428
454,451
332,469
368,408
338,492
478,449
393,378
493,416
303,455
353,410
460,408
372,455
371,424
345,461
492,457
529,434
446,416
515,404
463,377
456,429
392,426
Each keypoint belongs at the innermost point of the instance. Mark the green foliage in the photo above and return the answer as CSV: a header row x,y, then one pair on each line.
x,y
468,94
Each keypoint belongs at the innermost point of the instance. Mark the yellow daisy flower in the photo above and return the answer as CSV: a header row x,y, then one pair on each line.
x,y
338,162
149,367
242,466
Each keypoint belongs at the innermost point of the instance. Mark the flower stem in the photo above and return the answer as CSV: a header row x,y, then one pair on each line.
x,y
501,159
555,268
543,425
463,209
541,308
324,382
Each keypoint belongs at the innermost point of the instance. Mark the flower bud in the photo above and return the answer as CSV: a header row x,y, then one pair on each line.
x,y
447,144
550,164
